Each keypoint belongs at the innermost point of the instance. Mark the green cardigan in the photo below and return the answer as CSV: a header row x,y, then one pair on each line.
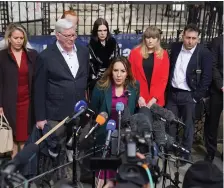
x,y
101,101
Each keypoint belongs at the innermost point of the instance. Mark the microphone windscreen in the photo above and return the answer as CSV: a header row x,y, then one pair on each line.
x,y
140,122
119,106
162,112
155,108
125,118
25,154
169,140
101,118
79,105
111,125
159,132
114,142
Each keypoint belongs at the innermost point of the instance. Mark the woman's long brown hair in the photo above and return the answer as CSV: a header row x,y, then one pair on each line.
x,y
107,78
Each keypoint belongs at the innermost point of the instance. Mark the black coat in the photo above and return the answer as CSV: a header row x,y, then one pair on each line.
x,y
217,67
9,84
56,90
205,58
100,58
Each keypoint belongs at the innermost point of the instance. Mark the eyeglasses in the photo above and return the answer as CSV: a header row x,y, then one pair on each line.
x,y
69,36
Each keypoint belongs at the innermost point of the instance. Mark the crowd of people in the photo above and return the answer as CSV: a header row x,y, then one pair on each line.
x,y
38,90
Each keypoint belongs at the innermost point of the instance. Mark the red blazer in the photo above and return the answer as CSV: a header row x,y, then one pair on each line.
x,y
159,76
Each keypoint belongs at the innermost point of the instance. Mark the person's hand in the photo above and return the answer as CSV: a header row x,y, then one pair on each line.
x,y
151,102
222,89
109,184
140,156
1,111
141,102
40,124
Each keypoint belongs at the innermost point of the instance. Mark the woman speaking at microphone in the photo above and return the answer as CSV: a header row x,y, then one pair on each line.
x,y
110,89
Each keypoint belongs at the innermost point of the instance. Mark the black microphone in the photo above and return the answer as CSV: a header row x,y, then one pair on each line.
x,y
159,132
163,139
170,141
114,142
141,124
168,115
21,159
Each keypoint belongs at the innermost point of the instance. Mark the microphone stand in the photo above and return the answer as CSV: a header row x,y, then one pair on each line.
x,y
75,151
52,170
165,162
119,133
94,154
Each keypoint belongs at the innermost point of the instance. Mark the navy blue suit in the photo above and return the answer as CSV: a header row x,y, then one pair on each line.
x,y
182,102
205,57
56,90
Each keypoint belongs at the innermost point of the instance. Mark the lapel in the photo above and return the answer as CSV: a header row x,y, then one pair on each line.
x,y
193,59
176,53
108,98
30,67
141,69
58,56
131,99
80,59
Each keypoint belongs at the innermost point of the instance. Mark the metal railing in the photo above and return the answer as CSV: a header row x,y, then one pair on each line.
x,y
123,17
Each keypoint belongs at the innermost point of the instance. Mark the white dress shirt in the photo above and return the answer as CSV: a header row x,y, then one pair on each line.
x,y
179,76
70,58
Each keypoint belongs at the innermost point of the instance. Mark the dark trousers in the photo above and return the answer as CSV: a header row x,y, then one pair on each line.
x,y
212,122
181,103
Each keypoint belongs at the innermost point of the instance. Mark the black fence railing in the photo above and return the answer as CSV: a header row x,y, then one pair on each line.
x,y
123,17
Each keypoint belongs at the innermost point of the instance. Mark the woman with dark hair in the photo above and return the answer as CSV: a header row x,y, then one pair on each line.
x,y
102,48
109,90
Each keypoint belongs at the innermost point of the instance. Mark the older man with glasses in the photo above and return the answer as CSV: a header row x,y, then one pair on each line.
x,y
61,74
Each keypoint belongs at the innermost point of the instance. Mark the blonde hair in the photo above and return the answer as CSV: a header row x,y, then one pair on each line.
x,y
154,32
10,29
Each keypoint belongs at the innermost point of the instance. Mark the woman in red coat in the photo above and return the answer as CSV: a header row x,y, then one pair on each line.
x,y
150,66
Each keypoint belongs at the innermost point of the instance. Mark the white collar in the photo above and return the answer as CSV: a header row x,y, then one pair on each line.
x,y
62,50
191,50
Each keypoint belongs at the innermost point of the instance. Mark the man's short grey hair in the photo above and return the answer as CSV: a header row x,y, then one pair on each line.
x,y
63,24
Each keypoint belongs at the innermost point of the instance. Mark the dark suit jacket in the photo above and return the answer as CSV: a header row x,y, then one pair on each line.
x,y
102,101
9,85
205,57
56,90
217,68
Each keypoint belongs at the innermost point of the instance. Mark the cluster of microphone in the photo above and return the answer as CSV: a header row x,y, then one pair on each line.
x,y
147,126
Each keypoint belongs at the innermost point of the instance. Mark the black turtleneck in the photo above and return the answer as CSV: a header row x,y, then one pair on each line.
x,y
148,68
